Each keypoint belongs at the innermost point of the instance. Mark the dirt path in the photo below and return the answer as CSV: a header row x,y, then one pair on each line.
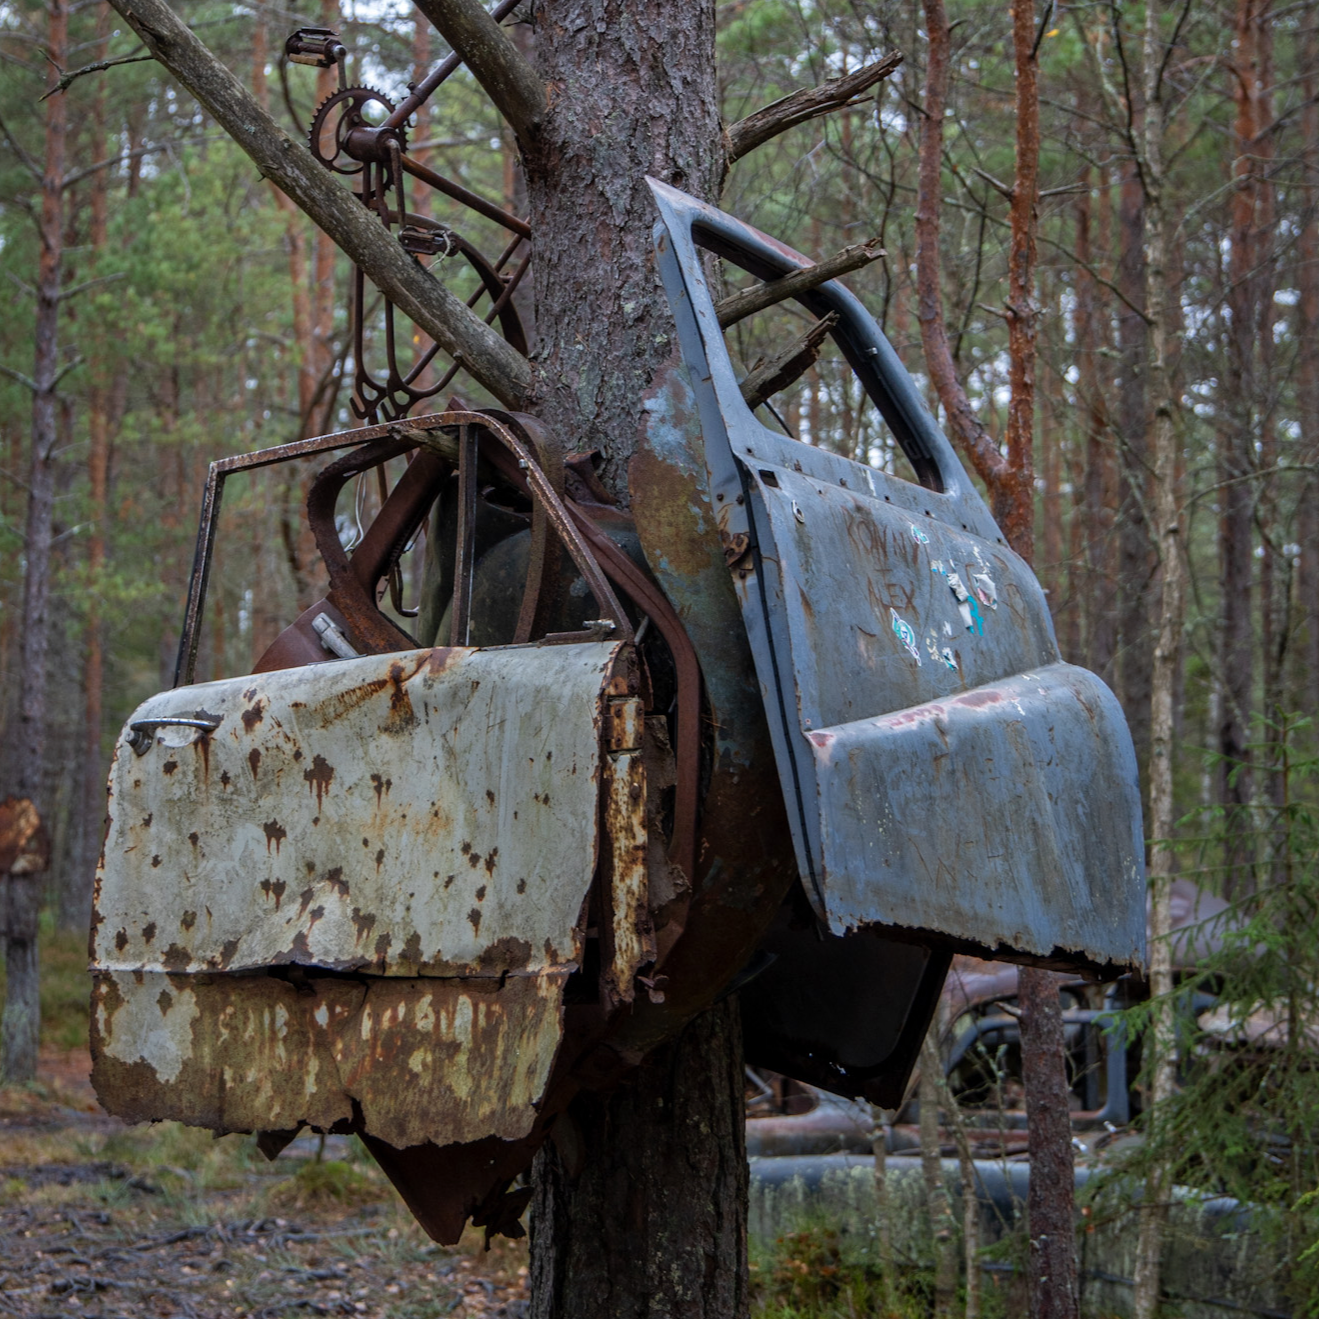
x,y
97,1219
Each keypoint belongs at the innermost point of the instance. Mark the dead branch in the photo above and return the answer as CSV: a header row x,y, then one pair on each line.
x,y
496,63
19,378
99,66
22,156
294,170
738,306
809,103
766,379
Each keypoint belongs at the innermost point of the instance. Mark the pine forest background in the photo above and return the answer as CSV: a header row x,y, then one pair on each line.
x,y
200,315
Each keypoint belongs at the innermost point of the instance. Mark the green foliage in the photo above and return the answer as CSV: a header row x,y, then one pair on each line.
x,y
1244,1118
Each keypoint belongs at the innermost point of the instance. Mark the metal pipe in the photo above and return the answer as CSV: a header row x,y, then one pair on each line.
x,y
468,199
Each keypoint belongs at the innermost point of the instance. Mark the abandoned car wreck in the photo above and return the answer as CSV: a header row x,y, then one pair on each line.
x,y
789,725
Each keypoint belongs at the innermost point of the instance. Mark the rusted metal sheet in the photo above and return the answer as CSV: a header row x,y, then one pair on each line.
x,y
430,827
630,942
944,771
427,813
410,1059
1036,867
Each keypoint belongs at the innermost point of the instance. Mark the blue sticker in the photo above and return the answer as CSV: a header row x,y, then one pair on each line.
x,y
906,634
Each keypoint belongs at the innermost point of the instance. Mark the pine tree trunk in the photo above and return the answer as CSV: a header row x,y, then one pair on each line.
x,y
1098,494
20,1024
75,890
45,434
640,1205
1054,1290
1274,632
1307,373
1236,464
1134,556
1051,1197
1011,485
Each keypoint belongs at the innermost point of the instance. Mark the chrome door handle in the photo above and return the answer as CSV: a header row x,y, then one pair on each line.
x,y
142,732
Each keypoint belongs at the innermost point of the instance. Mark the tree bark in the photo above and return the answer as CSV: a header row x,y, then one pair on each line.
x,y
943,1237
1307,372
20,1025
630,100
1098,493
1134,553
30,752
496,63
21,1022
967,429
75,889
640,1203
802,106
1054,1291
1236,465
1019,481
879,1137
650,1219
1274,630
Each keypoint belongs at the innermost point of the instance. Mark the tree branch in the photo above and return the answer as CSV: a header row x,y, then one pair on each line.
x,y
1001,188
110,162
496,63
295,171
26,381
24,159
71,365
801,106
73,291
99,66
739,306
766,379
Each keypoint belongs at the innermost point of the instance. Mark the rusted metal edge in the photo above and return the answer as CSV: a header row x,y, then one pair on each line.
x,y
522,470
257,1052
222,468
649,598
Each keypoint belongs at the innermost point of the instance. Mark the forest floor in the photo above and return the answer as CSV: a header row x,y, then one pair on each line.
x,y
103,1220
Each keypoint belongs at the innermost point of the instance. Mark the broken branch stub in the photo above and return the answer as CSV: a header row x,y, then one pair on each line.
x,y
769,378
292,168
738,306
802,106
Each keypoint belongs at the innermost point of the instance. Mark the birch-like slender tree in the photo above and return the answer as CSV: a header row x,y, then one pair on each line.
x,y
1148,148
